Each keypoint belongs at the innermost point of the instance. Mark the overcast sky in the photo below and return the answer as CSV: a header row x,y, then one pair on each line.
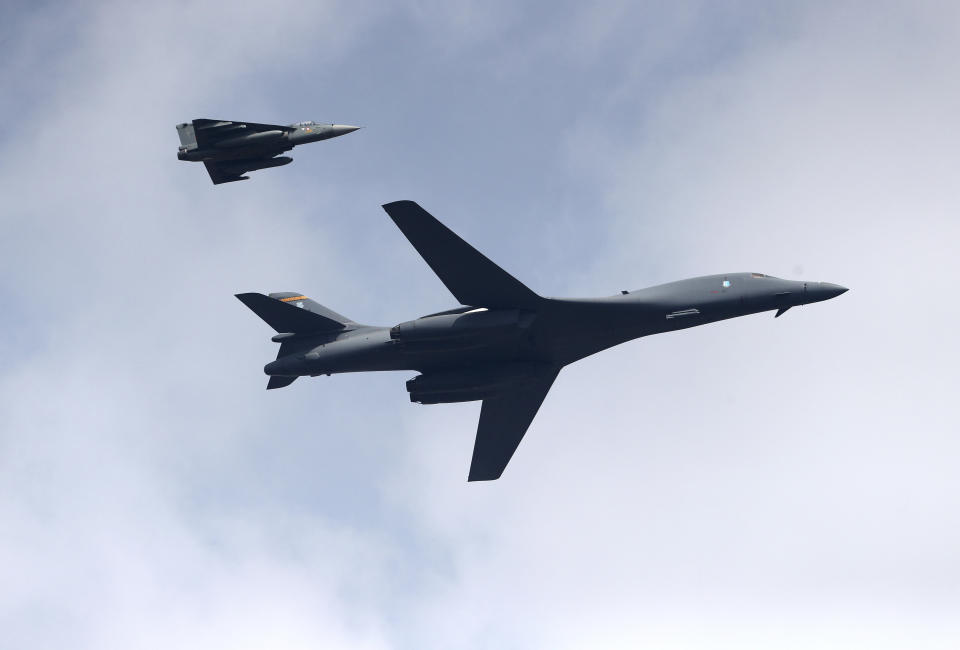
x,y
750,484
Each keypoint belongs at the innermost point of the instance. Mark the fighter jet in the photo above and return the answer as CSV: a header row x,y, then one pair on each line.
x,y
505,345
231,149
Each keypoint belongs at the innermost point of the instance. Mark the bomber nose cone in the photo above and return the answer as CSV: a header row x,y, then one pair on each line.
x,y
832,290
818,291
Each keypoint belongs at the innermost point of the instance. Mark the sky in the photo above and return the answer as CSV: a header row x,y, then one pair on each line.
x,y
750,484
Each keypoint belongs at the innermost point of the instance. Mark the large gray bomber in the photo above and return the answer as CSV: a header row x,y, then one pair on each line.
x,y
231,149
507,344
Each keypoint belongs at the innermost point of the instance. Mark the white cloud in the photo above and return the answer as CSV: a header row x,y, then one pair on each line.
x,y
750,484
685,491
127,400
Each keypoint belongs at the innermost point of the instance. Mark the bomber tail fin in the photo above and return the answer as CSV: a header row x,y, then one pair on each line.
x,y
278,381
294,312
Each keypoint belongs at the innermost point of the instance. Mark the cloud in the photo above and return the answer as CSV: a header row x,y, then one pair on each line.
x,y
754,470
121,413
752,483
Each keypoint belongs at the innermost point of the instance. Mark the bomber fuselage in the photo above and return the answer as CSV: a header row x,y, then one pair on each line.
x,y
507,346
558,332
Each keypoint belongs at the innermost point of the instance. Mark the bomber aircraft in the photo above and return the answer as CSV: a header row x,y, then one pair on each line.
x,y
505,345
231,149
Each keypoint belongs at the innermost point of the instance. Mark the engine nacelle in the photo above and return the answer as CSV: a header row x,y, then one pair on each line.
x,y
469,385
445,330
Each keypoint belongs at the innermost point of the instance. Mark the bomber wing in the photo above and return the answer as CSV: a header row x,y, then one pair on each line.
x,y
467,273
504,419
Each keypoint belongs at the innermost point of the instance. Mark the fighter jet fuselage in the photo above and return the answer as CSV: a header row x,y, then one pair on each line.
x,y
506,344
230,149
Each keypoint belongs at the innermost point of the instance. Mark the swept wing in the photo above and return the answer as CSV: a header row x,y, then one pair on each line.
x,y
469,275
504,419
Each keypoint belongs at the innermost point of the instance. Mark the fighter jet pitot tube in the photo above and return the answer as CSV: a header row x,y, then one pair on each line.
x,y
231,149
506,344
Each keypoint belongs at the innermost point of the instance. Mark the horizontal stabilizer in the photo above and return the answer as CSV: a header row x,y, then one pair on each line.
x,y
468,274
279,381
291,313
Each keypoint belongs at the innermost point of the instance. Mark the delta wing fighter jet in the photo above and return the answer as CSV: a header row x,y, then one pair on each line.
x,y
231,149
506,344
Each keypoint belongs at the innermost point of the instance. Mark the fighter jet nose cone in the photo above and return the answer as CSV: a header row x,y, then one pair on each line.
x,y
343,129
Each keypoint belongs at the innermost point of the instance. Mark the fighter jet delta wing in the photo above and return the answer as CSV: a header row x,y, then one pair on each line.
x,y
220,173
228,171
468,274
210,132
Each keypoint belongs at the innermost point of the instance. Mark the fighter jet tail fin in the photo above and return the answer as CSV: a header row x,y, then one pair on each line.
x,y
293,312
468,274
188,136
